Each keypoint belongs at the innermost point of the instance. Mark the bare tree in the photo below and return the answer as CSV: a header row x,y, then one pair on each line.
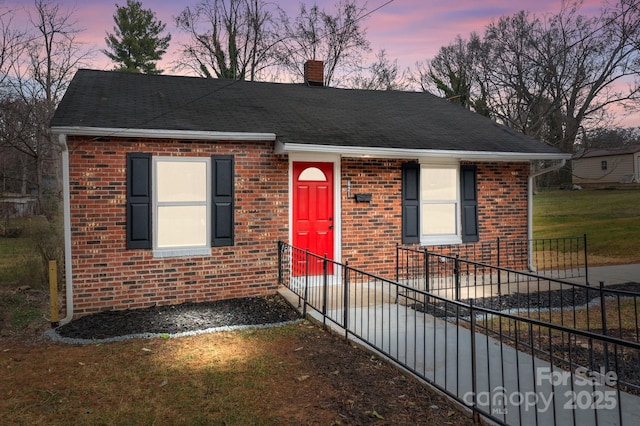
x,y
55,51
17,135
514,72
339,40
12,44
37,79
554,77
15,164
228,38
14,171
381,75
582,61
611,138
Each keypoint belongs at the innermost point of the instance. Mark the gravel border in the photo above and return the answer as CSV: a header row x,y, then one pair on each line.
x,y
53,335
543,301
171,321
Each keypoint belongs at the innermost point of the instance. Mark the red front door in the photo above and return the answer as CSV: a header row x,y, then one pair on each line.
x,y
313,211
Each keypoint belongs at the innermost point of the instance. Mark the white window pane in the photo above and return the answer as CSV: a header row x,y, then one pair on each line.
x,y
312,173
182,226
439,184
181,181
439,219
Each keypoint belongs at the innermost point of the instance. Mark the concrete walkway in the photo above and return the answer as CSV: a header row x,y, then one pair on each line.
x,y
616,274
515,387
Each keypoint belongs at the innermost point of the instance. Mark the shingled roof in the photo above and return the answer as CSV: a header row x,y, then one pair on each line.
x,y
607,152
294,113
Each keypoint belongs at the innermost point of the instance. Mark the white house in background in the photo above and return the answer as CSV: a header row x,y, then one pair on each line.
x,y
607,166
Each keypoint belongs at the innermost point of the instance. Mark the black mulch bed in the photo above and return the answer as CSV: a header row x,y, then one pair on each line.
x,y
575,296
185,317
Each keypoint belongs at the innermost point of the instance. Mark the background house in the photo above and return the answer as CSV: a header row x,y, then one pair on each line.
x,y
598,167
179,188
16,205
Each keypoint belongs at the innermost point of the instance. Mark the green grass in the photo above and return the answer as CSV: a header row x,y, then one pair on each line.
x,y
21,267
20,262
609,218
20,310
620,317
12,249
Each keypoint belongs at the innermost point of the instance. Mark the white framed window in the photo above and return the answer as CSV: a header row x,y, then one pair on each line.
x,y
440,204
181,206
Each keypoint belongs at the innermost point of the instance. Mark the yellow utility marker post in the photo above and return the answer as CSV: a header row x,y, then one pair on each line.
x,y
53,293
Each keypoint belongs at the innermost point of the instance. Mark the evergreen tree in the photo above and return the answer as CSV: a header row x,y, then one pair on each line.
x,y
136,44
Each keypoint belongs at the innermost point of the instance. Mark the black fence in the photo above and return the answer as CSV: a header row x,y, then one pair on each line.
x,y
508,367
608,310
552,257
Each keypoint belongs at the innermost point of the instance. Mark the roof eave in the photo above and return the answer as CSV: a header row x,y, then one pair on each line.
x,y
372,152
162,134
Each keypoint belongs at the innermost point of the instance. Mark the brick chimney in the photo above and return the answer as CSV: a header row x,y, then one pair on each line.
x,y
314,73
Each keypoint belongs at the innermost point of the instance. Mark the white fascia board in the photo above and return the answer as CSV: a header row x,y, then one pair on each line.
x,y
162,134
370,152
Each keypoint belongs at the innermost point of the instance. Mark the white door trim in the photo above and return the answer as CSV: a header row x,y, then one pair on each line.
x,y
337,200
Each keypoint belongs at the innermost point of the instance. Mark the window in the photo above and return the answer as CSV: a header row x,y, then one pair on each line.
x,y
179,206
603,165
439,204
312,174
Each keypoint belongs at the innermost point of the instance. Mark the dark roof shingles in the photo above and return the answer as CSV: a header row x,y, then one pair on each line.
x,y
296,113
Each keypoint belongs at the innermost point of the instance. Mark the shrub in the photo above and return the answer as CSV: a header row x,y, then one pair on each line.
x,y
47,236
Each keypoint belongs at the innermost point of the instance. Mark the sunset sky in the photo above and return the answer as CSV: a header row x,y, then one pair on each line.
x,y
409,30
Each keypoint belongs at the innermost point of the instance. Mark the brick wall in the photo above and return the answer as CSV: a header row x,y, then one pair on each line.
x,y
108,276
502,200
370,231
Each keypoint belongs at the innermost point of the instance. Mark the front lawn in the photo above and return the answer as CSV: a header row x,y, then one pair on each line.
x,y
610,218
294,374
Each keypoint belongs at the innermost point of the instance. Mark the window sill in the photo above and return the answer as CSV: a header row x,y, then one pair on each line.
x,y
440,240
182,252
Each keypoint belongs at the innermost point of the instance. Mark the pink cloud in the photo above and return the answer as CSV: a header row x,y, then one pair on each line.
x,y
409,30
416,29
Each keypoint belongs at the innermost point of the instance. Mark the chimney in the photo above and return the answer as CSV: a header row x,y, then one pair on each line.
x,y
314,73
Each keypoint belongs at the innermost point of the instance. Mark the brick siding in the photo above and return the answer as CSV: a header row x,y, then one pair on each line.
x,y
370,231
108,276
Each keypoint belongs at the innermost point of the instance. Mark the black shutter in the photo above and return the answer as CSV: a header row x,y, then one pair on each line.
x,y
138,200
469,192
222,201
410,203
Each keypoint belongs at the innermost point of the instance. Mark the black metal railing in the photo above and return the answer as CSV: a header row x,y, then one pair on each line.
x,y
560,257
608,310
554,257
507,367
